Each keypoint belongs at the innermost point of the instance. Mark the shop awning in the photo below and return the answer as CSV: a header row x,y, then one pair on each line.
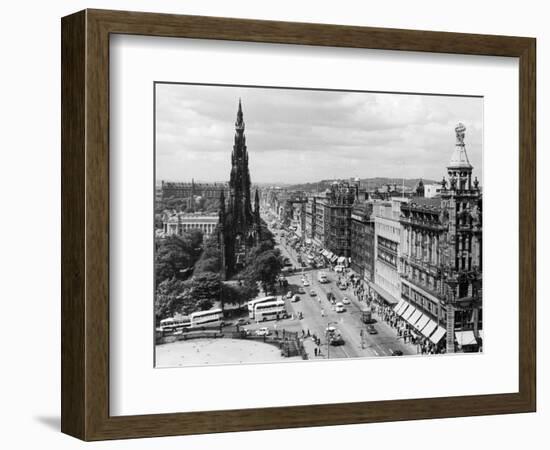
x,y
404,308
333,258
422,322
465,338
388,298
438,335
414,317
410,311
429,328
399,306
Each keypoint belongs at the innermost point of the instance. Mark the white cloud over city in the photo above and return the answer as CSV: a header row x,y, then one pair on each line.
x,y
296,136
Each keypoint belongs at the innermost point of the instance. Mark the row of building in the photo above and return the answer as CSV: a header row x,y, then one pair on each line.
x,y
406,247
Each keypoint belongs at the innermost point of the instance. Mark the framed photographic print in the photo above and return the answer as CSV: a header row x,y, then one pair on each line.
x,y
273,225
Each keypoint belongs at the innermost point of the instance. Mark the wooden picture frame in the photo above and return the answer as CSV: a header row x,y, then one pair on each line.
x,y
85,224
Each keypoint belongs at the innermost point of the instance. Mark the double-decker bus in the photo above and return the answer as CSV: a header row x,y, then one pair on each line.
x,y
256,301
270,310
212,317
174,324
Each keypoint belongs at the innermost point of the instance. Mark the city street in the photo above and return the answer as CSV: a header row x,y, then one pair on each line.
x,y
318,313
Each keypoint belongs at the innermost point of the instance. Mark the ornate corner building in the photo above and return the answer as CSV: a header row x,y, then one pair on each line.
x,y
239,224
441,252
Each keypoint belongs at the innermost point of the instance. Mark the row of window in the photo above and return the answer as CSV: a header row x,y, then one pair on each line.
x,y
422,301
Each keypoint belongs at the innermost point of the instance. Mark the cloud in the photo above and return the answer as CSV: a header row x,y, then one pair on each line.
x,y
308,135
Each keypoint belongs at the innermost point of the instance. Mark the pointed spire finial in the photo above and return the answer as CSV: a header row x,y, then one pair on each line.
x,y
239,124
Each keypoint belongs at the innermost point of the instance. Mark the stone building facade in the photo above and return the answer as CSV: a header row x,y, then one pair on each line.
x,y
441,258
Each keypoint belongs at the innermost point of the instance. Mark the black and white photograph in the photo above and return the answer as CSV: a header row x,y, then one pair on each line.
x,y
296,224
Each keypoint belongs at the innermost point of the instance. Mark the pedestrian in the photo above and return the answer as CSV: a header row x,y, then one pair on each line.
x,y
315,351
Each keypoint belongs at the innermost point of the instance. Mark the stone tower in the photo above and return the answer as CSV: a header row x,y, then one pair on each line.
x,y
239,224
461,201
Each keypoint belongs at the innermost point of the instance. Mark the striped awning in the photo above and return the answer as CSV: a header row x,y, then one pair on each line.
x,y
422,322
438,335
414,317
429,328
403,309
409,312
399,306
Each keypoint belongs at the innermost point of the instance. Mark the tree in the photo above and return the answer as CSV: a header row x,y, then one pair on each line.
x,y
210,259
267,267
263,265
238,294
171,298
206,288
174,254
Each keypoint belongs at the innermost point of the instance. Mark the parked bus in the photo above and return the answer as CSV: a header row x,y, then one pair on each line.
x,y
270,310
174,324
212,317
256,301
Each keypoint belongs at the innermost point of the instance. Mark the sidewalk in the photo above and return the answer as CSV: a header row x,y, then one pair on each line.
x,y
412,347
310,347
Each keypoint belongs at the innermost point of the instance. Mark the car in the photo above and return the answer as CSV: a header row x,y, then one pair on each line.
x,y
346,301
371,329
336,340
339,269
313,293
396,353
340,307
289,294
301,290
242,321
295,299
306,283
264,331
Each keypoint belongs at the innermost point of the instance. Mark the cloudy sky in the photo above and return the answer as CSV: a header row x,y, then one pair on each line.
x,y
296,136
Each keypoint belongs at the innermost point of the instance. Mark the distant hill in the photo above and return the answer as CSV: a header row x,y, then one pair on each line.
x,y
368,183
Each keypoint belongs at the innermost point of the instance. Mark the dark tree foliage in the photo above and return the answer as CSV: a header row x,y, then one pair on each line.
x,y
239,293
174,254
206,287
210,259
171,298
263,265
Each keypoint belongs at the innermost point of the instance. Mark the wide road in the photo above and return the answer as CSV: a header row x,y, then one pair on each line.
x,y
318,313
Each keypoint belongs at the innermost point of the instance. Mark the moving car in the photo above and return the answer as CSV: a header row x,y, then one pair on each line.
x,y
336,339
313,293
295,299
264,331
242,321
371,329
301,290
342,285
340,307
306,283
322,277
396,353
346,301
